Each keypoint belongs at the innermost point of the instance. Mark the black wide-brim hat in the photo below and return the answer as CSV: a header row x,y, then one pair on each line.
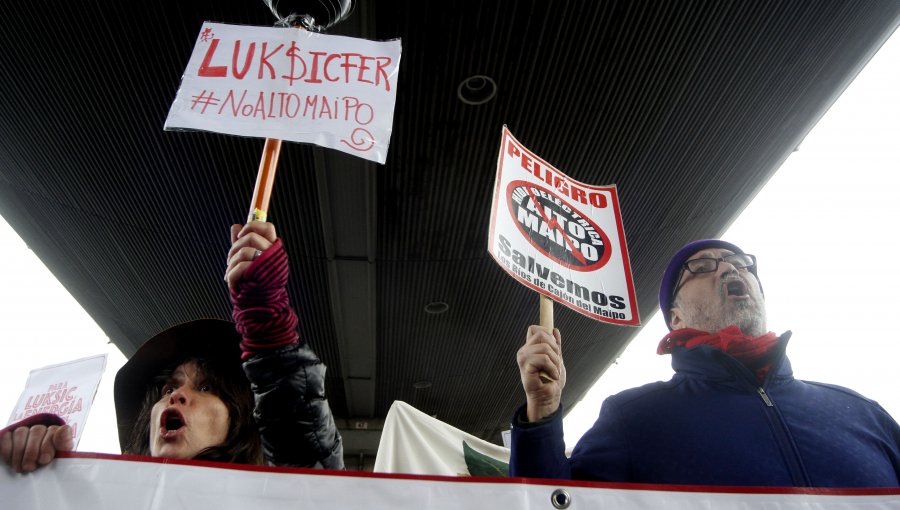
x,y
203,338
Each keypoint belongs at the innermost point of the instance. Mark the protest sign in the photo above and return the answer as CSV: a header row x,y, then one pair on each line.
x,y
290,84
66,389
80,481
561,237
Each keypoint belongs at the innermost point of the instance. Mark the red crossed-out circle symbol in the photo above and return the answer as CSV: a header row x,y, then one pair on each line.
x,y
556,228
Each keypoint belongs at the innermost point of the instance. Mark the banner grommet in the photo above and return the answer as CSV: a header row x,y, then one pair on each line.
x,y
560,499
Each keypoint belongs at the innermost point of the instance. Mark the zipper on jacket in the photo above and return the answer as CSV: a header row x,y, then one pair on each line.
x,y
783,437
792,457
765,396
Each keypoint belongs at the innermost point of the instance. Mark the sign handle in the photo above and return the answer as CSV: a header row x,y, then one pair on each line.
x,y
265,180
546,323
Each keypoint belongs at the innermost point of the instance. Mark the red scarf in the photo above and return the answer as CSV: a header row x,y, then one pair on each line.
x,y
753,352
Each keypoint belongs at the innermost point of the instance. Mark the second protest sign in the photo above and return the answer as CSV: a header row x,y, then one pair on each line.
x,y
561,237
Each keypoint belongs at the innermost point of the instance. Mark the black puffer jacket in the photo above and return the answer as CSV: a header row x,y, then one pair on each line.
x,y
292,413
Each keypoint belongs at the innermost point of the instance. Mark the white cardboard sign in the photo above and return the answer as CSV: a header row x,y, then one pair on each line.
x,y
66,389
333,91
561,237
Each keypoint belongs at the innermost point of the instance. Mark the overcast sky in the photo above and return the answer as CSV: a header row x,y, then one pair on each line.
x,y
823,230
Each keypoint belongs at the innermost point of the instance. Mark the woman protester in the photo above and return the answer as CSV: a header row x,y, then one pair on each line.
x,y
246,392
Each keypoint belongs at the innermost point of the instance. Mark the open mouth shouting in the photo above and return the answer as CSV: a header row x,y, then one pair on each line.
x,y
171,421
736,288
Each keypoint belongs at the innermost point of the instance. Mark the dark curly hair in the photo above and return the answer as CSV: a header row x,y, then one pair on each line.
x,y
228,382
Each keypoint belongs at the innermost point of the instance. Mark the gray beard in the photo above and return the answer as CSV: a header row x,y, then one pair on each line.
x,y
749,316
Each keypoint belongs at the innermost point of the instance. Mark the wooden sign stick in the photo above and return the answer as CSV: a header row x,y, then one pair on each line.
x,y
546,323
265,180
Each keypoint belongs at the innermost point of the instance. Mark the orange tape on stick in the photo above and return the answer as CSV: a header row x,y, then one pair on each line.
x,y
265,180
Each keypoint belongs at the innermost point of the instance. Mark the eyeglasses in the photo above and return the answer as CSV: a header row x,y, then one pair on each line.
x,y
711,264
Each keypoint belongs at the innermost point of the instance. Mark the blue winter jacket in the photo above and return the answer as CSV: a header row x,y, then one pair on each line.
x,y
713,424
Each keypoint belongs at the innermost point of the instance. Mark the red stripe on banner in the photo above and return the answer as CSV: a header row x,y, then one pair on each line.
x,y
814,491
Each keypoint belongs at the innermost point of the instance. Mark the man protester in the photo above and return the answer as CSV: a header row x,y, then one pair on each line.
x,y
732,414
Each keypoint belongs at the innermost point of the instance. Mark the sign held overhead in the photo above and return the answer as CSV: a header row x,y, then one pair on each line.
x,y
561,237
290,84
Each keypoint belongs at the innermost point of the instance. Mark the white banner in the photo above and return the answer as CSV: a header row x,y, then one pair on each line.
x,y
414,443
66,390
80,481
561,237
333,91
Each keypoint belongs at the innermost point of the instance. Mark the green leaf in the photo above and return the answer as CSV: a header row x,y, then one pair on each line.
x,y
480,464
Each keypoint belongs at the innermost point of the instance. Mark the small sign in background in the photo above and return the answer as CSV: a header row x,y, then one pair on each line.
x,y
66,389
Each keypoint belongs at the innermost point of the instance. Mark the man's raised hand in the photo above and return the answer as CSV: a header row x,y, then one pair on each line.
x,y
542,352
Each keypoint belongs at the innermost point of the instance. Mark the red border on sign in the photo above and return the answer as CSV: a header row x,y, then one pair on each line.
x,y
620,230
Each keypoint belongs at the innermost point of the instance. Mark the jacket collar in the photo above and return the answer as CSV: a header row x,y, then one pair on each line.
x,y
709,363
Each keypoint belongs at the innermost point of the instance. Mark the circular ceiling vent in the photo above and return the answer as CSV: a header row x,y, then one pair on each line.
x,y
477,89
436,307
